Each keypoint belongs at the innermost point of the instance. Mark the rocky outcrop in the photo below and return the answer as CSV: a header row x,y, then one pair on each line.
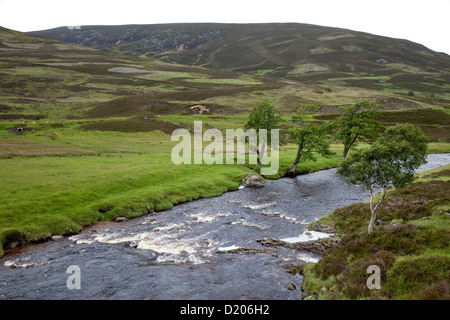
x,y
248,250
322,228
314,246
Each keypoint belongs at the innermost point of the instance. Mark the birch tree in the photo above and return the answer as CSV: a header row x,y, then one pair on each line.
x,y
308,136
390,161
357,125
262,116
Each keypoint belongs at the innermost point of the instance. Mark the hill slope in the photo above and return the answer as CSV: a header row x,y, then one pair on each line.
x,y
45,78
312,54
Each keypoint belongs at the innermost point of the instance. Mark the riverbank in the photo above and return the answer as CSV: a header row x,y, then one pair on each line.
x,y
410,245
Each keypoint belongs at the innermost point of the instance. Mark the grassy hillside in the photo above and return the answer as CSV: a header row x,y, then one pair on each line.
x,y
302,52
410,245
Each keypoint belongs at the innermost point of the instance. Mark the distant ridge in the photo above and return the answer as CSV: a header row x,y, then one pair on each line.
x,y
305,52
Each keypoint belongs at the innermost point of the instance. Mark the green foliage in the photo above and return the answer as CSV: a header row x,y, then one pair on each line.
x,y
262,116
309,137
392,159
357,125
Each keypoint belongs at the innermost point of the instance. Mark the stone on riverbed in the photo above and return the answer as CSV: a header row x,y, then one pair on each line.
x,y
291,286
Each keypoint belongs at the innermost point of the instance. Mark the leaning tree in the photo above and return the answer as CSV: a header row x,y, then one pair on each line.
x,y
391,160
357,124
309,137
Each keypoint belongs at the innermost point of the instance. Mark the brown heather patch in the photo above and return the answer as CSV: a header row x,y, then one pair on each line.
x,y
398,240
352,281
10,116
412,202
5,108
434,291
132,125
415,201
438,174
435,124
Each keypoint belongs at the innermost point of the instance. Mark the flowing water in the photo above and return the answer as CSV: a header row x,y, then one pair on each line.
x,y
187,252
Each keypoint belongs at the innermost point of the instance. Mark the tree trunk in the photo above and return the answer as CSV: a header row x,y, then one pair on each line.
x,y
258,166
344,154
297,158
372,220
373,209
260,156
348,146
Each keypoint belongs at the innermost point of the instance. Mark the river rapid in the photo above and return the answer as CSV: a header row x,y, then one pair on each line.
x,y
188,252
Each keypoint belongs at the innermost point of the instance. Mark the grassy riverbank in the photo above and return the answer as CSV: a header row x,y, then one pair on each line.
x,y
410,245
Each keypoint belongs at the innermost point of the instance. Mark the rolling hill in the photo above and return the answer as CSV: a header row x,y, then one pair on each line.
x,y
301,52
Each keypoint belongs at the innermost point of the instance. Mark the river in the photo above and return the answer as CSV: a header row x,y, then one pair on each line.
x,y
186,253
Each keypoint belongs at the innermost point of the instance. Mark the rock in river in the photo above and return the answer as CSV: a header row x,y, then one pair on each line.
x,y
251,180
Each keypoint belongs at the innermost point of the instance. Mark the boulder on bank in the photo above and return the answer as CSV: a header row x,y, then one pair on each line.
x,y
251,180
322,228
